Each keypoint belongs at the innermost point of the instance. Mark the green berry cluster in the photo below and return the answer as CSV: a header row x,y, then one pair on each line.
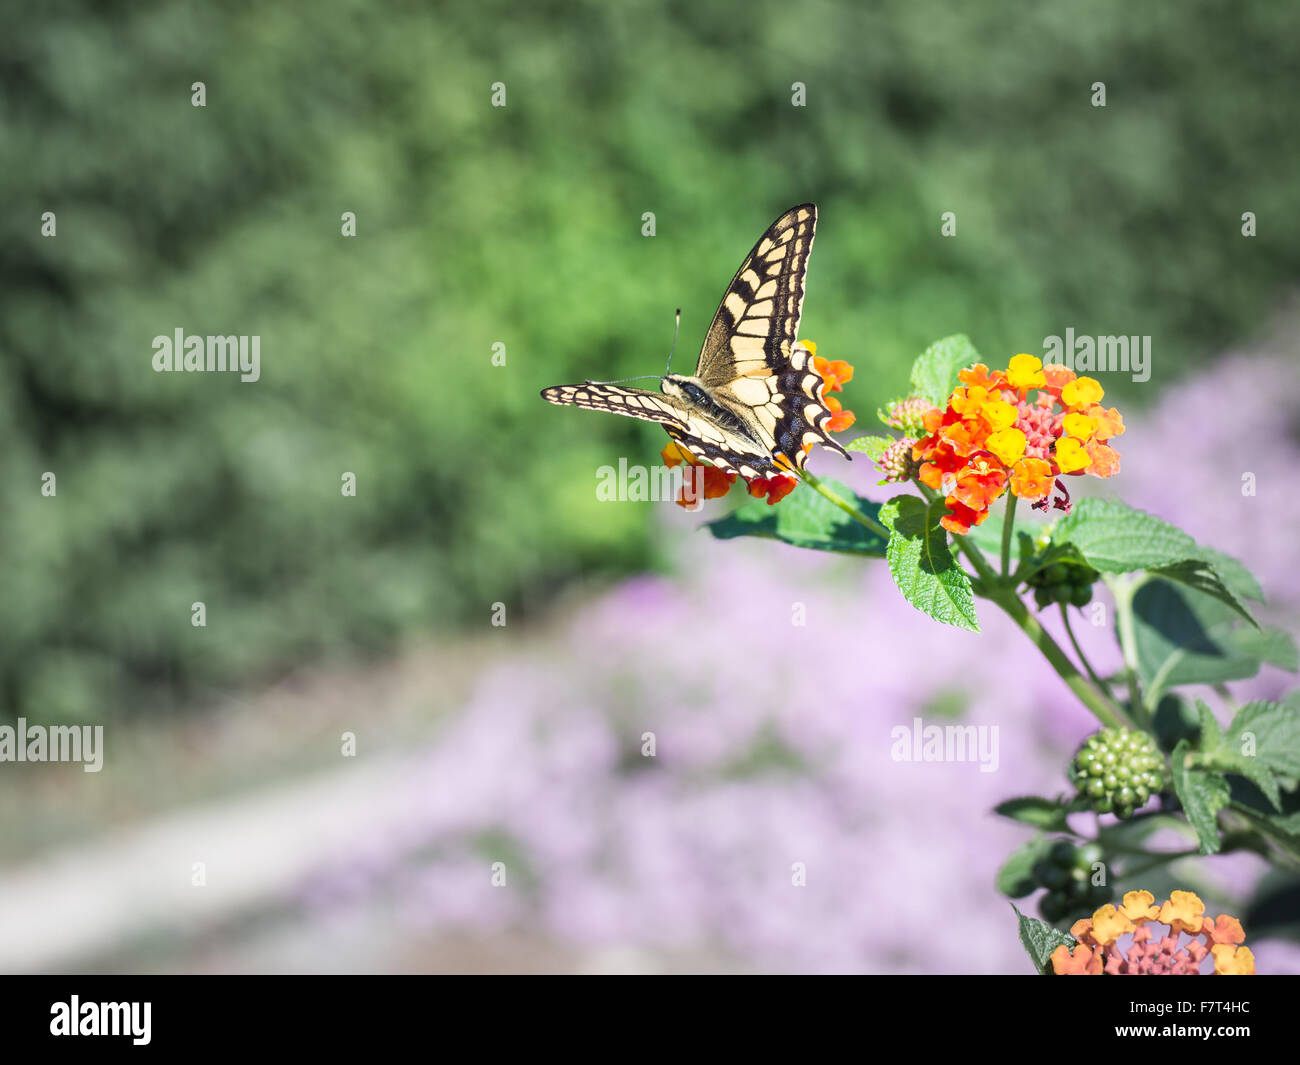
x,y
1064,582
1118,770
1066,872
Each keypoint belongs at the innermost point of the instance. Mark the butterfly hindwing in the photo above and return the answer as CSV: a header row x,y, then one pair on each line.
x,y
785,409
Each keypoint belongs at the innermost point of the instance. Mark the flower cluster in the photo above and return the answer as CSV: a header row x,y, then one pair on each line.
x,y
1098,950
994,436
714,482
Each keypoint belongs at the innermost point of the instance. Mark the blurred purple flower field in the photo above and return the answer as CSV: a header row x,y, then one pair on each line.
x,y
773,740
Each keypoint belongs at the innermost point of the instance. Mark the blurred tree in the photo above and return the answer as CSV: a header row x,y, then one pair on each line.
x,y
521,225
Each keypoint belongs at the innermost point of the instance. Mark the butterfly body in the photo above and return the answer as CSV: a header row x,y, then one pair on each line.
x,y
754,405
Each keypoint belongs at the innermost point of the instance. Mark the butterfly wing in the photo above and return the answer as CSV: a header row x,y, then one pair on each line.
x,y
751,362
686,424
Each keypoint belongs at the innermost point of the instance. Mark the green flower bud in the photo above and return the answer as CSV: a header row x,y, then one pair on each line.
x,y
1118,770
1053,906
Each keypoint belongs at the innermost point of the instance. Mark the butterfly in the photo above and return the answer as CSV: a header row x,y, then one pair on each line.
x,y
754,405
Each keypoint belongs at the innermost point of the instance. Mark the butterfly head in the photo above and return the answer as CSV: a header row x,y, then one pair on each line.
x,y
681,387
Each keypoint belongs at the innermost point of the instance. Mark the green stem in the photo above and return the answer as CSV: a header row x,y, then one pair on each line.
x,y
1157,862
1122,589
1008,523
1074,642
1000,592
844,505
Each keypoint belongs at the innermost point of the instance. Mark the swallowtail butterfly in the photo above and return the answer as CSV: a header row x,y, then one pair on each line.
x,y
754,405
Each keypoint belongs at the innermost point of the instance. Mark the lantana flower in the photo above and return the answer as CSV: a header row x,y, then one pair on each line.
x,y
1020,430
1098,951
718,482
715,482
836,374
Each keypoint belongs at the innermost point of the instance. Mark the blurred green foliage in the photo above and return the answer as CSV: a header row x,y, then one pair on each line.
x,y
521,225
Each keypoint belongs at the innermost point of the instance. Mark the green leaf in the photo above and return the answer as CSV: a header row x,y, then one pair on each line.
x,y
1272,732
1220,754
1032,810
1197,573
934,374
1116,538
806,518
1184,636
1211,735
1235,575
871,446
922,565
1039,940
988,537
1016,877
1203,793
1282,829
1259,775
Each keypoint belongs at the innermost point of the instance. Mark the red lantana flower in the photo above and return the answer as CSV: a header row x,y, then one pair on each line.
x,y
1020,430
703,478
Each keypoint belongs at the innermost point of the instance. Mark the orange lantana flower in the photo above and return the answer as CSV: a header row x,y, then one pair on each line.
x,y
1099,952
1019,429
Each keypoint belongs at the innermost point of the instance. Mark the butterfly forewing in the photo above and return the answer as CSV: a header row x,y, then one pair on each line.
x,y
757,321
750,361
702,436
631,402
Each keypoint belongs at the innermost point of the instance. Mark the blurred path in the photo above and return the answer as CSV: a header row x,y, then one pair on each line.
x,y
79,901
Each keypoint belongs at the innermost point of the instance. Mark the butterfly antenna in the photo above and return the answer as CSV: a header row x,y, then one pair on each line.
x,y
676,327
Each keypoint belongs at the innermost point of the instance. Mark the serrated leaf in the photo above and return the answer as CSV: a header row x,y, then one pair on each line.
x,y
1015,879
921,564
1211,737
934,374
1274,735
1235,575
1116,538
871,446
1203,793
1032,810
1259,775
1222,755
1184,636
806,518
1197,573
1039,940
